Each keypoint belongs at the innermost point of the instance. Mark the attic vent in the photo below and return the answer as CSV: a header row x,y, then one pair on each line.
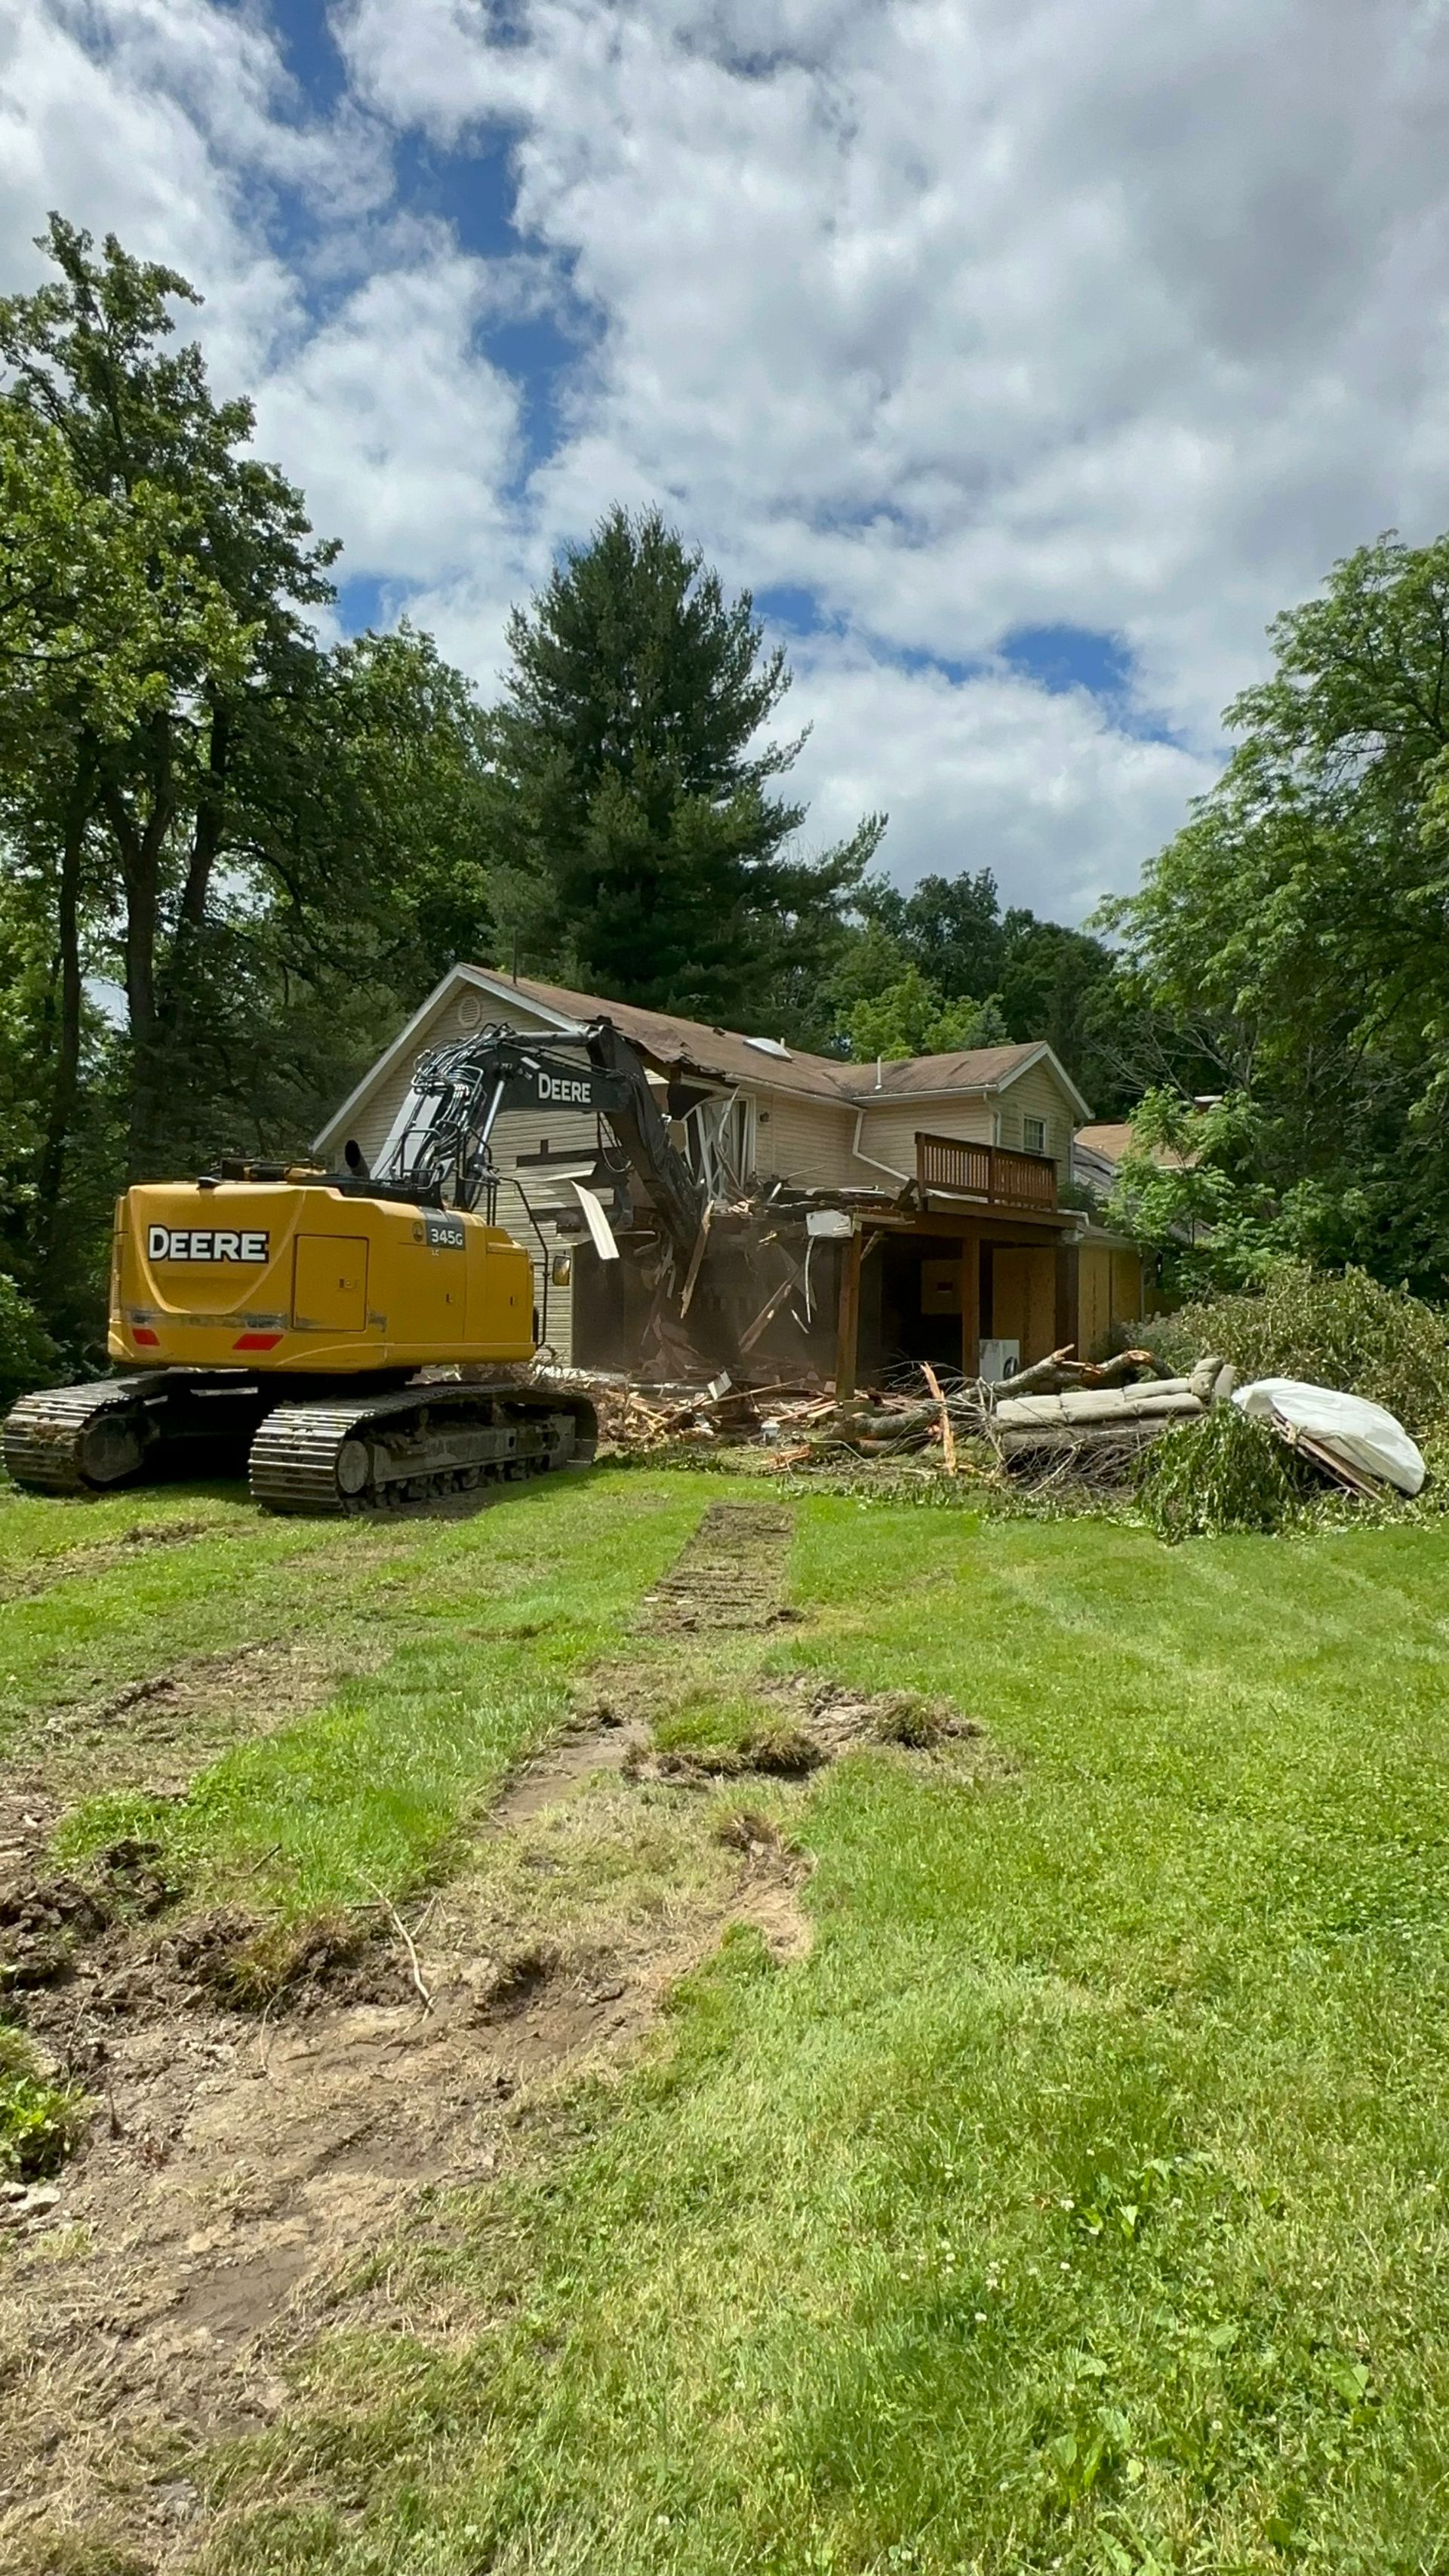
x,y
769,1046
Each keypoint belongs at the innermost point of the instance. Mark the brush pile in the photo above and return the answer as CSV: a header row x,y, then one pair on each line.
x,y
1064,1427
1063,1417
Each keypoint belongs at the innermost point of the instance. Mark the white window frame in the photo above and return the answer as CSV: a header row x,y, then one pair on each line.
x,y
1030,1146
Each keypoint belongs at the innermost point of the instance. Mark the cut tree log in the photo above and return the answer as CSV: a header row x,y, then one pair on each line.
x,y
1163,1400
1041,1373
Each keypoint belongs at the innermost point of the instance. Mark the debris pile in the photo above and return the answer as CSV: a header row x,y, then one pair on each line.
x,y
1063,1422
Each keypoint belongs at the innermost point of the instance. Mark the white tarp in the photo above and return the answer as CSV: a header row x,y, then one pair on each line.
x,y
1362,1434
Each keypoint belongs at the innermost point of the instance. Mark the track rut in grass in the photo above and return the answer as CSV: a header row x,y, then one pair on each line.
x,y
241,2166
730,1574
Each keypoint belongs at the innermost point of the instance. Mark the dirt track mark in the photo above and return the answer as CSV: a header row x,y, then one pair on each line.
x,y
78,1563
156,1733
730,1574
241,2166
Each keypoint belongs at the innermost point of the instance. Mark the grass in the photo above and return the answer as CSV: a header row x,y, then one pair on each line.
x,y
1076,2204
40,2123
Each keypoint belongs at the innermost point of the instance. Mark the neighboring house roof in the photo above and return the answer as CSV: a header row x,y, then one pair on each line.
x,y
1112,1140
1098,1153
1109,1137
726,1055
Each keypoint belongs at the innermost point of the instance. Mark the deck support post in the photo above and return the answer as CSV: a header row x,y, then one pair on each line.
x,y
847,1337
970,1303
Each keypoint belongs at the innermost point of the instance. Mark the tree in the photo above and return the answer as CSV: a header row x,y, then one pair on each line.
x,y
262,841
148,642
1043,980
1299,924
651,860
912,1017
1189,1189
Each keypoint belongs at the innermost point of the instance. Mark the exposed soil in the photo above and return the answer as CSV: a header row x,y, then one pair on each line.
x,y
155,1733
271,2102
105,1556
239,2164
730,1574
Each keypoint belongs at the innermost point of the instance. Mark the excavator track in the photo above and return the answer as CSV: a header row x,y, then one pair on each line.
x,y
376,1453
79,1439
130,1430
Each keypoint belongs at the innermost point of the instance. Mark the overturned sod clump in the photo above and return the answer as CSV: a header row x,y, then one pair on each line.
x,y
921,1725
41,2123
251,1964
1226,1473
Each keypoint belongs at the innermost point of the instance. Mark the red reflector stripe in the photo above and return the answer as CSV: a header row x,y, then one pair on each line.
x,y
143,1333
256,1341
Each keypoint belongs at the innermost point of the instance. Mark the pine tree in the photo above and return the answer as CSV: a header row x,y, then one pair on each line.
x,y
651,858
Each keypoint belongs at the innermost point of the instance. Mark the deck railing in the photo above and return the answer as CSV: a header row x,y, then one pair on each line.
x,y
992,1173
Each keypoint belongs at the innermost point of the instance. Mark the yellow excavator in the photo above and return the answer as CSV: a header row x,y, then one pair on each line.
x,y
304,1320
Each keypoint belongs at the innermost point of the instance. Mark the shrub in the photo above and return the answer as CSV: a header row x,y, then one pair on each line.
x,y
1346,1332
28,1356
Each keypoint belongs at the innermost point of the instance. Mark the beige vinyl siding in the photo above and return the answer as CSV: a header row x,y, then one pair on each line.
x,y
888,1134
1038,1094
559,1332
372,1119
804,1141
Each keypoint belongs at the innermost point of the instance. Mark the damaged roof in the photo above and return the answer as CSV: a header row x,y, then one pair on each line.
x,y
695,1046
675,1045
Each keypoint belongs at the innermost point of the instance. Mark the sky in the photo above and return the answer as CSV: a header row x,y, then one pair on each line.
x,y
1022,357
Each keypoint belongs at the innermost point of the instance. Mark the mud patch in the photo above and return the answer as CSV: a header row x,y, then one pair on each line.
x,y
730,1574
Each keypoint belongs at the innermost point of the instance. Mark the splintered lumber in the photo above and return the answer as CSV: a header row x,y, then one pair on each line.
x,y
752,1333
948,1436
696,1257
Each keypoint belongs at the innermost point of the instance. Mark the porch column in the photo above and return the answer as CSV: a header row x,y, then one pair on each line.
x,y
847,1337
971,1304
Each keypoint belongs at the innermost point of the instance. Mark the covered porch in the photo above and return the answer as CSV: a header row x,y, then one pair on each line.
x,y
985,1257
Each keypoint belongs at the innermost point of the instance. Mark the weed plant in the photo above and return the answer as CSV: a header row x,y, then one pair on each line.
x,y
40,2123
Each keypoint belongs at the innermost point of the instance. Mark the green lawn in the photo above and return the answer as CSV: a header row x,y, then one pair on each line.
x,y
1076,2204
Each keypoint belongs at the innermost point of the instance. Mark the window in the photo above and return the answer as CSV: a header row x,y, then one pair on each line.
x,y
1033,1135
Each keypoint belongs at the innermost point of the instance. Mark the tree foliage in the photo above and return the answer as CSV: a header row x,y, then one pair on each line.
x,y
1298,928
911,1017
259,840
652,859
947,946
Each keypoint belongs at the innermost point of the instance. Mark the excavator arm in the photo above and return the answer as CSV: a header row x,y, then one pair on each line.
x,y
442,1135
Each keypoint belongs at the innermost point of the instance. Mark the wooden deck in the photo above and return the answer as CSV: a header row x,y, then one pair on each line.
x,y
991,1177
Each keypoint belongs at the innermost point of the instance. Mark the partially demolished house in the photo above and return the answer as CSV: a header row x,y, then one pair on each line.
x,y
859,1216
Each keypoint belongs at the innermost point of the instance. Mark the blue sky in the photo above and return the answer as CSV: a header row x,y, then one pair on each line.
x,y
1021,359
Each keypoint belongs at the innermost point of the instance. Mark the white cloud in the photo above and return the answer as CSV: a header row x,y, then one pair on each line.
x,y
402,436
972,314
1044,791
961,315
